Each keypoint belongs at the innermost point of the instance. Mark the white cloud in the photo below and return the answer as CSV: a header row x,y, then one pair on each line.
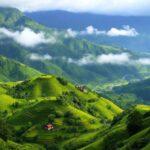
x,y
71,33
144,61
88,59
90,30
115,59
119,7
28,37
119,59
35,57
126,31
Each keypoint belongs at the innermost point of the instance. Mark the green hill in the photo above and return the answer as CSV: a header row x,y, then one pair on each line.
x,y
81,119
132,93
11,70
9,139
129,131
30,104
9,16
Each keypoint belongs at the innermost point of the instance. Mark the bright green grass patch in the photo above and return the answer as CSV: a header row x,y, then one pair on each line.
x,y
5,102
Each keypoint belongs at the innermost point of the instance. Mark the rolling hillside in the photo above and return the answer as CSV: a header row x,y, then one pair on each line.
x,y
30,104
81,118
11,70
129,131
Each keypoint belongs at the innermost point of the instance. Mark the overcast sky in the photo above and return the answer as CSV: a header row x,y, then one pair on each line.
x,y
112,7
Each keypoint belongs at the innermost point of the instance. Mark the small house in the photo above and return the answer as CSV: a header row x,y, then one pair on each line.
x,y
48,126
82,88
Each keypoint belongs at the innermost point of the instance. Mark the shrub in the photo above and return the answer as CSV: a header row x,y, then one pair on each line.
x,y
134,123
51,117
62,81
6,131
59,114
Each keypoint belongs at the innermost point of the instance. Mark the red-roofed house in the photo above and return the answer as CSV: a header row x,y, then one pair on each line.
x,y
49,126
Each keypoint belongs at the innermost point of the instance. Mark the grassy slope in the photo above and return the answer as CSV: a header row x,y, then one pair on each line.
x,y
7,145
117,137
81,120
11,70
72,114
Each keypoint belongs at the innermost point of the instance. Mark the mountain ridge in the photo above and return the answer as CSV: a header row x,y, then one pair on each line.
x,y
63,54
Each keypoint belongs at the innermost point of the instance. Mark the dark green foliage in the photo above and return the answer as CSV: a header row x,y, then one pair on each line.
x,y
92,110
51,118
62,81
7,131
53,146
140,143
15,105
59,114
131,94
147,114
112,141
134,123
72,98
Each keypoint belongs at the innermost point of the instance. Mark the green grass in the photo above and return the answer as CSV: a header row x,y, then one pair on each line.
x,y
11,70
82,120
6,102
118,137
74,112
16,146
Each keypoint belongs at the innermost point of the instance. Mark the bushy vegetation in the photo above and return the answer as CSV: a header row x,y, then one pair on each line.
x,y
77,116
133,93
135,123
7,131
47,99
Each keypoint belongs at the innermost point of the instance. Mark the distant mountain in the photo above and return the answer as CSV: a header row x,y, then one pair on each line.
x,y
79,21
11,70
9,16
64,56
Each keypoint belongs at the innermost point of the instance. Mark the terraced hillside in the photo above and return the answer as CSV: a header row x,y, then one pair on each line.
x,y
33,103
81,119
129,130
